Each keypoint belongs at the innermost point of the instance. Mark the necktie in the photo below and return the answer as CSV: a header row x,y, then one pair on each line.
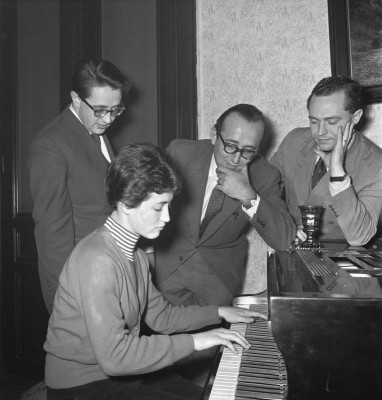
x,y
97,140
318,172
214,206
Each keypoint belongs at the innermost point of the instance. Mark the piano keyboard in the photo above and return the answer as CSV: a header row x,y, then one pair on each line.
x,y
256,373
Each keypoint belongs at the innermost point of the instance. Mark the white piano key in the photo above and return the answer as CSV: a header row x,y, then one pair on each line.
x,y
269,379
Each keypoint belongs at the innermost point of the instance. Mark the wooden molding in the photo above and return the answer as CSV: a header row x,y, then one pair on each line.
x,y
176,52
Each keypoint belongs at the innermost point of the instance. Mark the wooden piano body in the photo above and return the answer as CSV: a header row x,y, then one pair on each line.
x,y
325,314
325,309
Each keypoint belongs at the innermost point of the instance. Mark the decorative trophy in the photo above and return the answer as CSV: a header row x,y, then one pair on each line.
x,y
311,217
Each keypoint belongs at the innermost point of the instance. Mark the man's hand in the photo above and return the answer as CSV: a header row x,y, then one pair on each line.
x,y
235,184
216,337
237,314
338,154
334,160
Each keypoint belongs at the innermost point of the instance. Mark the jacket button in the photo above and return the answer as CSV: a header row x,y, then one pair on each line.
x,y
180,258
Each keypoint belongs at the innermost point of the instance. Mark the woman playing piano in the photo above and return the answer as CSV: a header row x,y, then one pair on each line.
x,y
94,347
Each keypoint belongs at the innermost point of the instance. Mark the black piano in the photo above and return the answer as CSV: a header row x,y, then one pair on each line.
x,y
325,321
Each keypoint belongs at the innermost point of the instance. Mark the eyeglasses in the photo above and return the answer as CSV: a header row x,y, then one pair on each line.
x,y
230,148
101,112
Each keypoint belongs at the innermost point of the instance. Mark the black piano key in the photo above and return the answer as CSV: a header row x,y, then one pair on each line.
x,y
270,385
255,394
261,371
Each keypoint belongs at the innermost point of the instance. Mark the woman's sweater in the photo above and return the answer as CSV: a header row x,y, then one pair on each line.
x,y
93,332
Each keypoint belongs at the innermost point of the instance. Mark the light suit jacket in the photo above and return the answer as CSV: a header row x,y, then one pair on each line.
x,y
67,182
223,244
353,213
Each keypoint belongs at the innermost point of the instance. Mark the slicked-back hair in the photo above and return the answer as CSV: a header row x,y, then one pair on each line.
x,y
249,112
334,84
97,73
138,171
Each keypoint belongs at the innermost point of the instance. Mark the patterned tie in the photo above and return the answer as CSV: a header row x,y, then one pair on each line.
x,y
318,172
214,206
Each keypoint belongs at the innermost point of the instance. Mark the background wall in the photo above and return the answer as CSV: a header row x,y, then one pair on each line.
x,y
269,53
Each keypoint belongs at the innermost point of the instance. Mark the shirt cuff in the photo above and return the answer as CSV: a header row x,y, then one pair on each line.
x,y
252,211
337,187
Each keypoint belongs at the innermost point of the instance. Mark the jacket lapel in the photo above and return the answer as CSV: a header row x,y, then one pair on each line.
x,y
229,207
198,176
81,137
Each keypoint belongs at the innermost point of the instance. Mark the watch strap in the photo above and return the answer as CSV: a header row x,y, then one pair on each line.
x,y
338,178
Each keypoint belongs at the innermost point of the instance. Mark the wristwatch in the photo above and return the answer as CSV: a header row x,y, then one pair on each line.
x,y
251,204
338,178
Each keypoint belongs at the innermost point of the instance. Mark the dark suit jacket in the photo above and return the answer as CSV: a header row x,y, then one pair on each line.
x,y
223,244
67,181
353,213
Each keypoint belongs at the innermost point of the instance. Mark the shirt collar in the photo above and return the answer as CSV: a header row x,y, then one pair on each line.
x,y
125,240
213,166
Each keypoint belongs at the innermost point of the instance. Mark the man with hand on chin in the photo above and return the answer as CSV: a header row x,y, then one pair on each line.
x,y
68,163
228,187
332,165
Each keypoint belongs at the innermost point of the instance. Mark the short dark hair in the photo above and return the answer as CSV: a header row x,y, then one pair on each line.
x,y
97,73
334,84
249,112
137,171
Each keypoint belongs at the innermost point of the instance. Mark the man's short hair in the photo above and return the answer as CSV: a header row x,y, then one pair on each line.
x,y
333,84
136,172
97,73
249,112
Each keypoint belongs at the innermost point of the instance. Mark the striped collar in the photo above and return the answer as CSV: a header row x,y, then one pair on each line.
x,y
125,239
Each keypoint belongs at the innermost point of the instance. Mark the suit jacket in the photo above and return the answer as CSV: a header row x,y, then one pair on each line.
x,y
223,244
67,182
353,213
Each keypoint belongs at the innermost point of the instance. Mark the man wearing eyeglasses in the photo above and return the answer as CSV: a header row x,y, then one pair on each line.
x,y
68,163
199,262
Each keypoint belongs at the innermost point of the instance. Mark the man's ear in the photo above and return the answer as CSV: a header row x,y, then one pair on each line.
x,y
357,116
75,100
213,135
